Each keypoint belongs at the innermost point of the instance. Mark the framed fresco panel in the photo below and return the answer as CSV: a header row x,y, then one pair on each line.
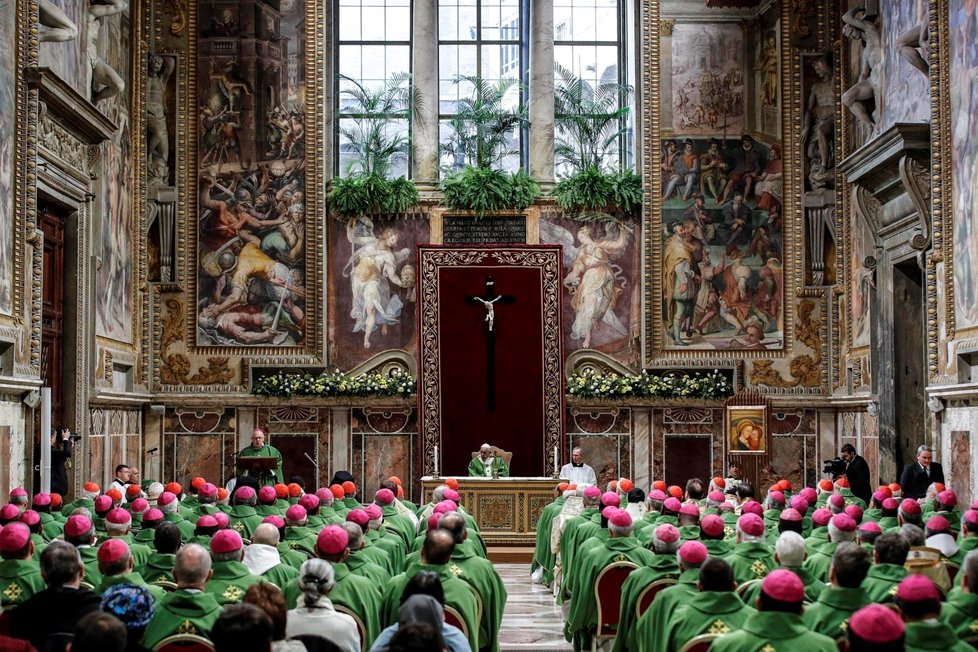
x,y
746,429
904,91
8,116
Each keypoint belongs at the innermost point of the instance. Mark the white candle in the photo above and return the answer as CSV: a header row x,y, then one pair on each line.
x,y
436,460
555,460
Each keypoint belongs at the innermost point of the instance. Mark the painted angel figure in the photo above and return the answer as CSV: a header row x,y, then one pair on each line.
x,y
593,281
373,266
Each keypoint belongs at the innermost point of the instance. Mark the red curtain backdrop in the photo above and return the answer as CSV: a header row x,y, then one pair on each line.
x,y
517,424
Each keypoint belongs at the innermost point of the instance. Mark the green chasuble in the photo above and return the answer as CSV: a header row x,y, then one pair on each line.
x,y
873,514
400,524
543,556
158,568
268,478
960,612
458,594
709,612
129,578
569,540
661,567
293,558
596,540
244,519
87,503
19,580
772,631
182,612
717,547
933,636
392,547
51,528
89,557
496,467
583,616
813,586
280,575
379,557
301,538
481,575
965,545
815,540
356,593
830,613
882,580
140,552
147,537
362,566
819,563
186,527
656,617
230,581
751,560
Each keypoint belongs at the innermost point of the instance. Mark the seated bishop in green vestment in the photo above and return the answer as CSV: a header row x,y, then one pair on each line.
x,y
259,448
487,465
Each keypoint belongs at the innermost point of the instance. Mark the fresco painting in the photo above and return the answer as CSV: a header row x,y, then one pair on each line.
x,y
66,57
8,117
964,158
602,296
905,90
373,275
251,173
708,79
861,281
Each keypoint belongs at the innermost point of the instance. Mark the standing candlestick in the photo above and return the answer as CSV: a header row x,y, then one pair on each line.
x,y
436,462
555,462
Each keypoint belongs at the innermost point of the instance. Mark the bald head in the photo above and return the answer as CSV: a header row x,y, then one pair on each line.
x,y
265,533
438,547
455,524
192,567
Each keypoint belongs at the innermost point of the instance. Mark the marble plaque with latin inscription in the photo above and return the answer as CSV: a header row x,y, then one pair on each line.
x,y
495,229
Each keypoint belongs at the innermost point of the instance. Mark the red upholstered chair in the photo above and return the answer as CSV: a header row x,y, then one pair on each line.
x,y
453,617
184,643
648,594
607,596
361,629
952,570
699,643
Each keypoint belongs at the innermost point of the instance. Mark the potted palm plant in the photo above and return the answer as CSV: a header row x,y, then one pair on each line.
x,y
370,127
479,142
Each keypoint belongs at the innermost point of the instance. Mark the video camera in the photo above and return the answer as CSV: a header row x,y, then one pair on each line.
x,y
834,467
73,436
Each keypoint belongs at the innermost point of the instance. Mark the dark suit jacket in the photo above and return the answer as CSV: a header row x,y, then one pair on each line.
x,y
858,475
914,481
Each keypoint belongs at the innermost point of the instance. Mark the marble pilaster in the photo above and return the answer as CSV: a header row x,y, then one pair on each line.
x,y
541,107
425,76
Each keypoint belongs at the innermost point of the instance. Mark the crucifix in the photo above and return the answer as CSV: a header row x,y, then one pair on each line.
x,y
489,301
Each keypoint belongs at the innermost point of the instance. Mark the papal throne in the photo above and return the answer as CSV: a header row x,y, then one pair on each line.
x,y
498,452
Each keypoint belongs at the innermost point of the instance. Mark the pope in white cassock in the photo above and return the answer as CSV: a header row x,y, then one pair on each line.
x,y
577,472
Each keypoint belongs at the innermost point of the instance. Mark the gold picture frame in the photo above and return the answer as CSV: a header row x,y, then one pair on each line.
x,y
746,430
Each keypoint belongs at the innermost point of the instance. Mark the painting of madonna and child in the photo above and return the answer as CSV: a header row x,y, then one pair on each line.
x,y
722,279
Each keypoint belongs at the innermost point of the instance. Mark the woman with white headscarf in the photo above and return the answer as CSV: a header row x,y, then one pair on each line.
x,y
315,615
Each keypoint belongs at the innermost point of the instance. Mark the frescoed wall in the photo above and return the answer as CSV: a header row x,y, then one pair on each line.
x,y
251,167
67,57
904,90
372,271
723,248
861,282
8,116
707,79
602,294
114,281
964,158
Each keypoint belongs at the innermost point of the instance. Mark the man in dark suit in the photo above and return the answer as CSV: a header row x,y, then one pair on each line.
x,y
857,472
919,475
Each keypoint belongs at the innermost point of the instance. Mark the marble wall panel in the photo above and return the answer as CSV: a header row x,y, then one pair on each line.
x,y
378,457
606,454
871,453
116,455
197,455
16,469
961,465
96,450
904,90
286,424
789,460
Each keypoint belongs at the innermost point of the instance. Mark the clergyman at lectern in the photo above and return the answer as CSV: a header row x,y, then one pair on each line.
x,y
487,465
259,448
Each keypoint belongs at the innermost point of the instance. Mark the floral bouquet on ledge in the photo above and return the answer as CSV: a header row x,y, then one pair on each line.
x,y
708,385
335,383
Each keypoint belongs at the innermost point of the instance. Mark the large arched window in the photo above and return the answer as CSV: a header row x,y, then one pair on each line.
x,y
591,44
373,40
486,40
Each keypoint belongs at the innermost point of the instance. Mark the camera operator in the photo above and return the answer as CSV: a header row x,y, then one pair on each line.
x,y
62,442
857,472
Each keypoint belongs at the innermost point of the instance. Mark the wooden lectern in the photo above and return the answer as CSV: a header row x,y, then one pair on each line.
x,y
257,466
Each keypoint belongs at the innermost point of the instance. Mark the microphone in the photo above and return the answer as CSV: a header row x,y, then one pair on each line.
x,y
152,450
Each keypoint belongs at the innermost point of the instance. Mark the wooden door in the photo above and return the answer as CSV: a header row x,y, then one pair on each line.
x,y
52,314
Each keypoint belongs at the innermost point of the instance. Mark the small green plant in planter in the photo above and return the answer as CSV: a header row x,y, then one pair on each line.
x,y
370,132
487,190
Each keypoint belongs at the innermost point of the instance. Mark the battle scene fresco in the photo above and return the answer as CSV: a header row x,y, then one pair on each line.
x,y
904,89
723,248
64,35
708,79
372,272
114,279
602,293
964,158
251,172
8,117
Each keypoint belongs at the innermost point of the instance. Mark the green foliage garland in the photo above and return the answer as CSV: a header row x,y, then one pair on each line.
x,y
485,190
336,384
696,385
361,194
592,190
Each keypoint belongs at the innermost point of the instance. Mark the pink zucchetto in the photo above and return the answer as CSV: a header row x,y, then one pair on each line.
x,y
783,586
386,496
226,541
332,540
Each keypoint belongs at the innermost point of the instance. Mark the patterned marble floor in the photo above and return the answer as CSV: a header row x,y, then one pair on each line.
x,y
531,620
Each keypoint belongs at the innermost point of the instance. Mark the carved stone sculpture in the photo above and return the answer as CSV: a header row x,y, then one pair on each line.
x,y
55,24
818,132
106,82
866,88
158,138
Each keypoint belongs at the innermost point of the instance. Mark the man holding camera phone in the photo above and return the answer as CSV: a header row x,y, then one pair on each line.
x,y
857,472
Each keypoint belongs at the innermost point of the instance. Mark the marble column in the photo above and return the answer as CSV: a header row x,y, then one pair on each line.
x,y
541,109
425,77
341,454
